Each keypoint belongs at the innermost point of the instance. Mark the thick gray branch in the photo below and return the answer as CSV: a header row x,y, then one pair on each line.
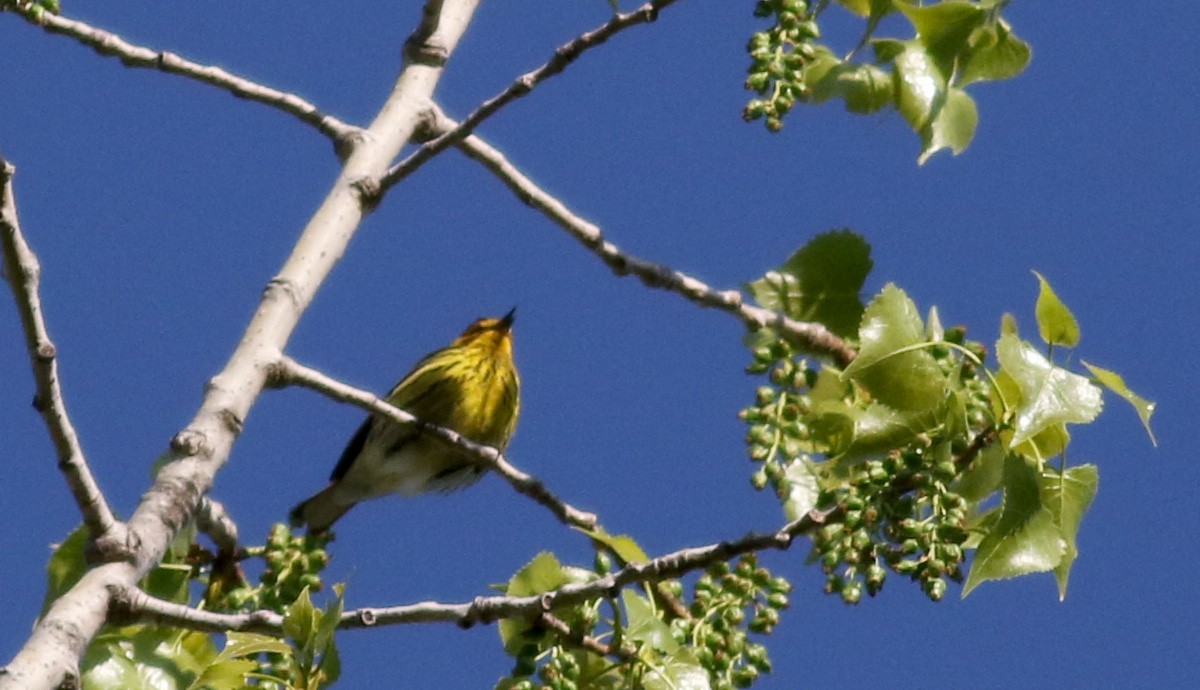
x,y
199,450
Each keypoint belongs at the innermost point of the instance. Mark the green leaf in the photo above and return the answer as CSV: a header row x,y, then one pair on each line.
x,y
1068,496
803,488
300,620
952,125
679,671
879,429
643,624
226,675
1049,395
323,642
1113,381
993,53
944,29
820,282
890,363
917,82
984,475
623,545
1008,325
66,566
542,574
1046,443
241,644
1056,323
1025,539
864,88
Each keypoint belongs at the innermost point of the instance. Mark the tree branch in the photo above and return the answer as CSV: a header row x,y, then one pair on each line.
x,y
197,452
139,606
812,337
130,55
213,520
23,272
563,57
288,371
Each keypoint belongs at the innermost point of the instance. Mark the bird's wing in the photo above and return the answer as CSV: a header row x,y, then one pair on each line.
x,y
352,450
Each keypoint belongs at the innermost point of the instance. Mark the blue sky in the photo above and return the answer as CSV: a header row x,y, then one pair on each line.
x,y
160,208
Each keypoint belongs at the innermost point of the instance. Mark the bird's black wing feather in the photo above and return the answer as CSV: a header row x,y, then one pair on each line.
x,y
352,450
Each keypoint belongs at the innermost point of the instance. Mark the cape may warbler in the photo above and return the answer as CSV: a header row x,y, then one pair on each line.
x,y
470,387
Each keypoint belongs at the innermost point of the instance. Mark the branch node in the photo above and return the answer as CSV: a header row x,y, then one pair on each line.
x,y
231,421
286,286
188,443
367,617
46,351
369,191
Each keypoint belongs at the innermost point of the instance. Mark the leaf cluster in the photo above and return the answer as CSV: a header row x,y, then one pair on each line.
x,y
924,76
923,450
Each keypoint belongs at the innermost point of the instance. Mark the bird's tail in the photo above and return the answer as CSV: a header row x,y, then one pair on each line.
x,y
322,509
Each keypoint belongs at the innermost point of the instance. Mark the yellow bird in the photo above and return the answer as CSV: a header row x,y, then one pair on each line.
x,y
471,387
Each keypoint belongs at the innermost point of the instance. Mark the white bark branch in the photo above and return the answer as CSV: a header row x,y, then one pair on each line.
x,y
51,654
130,55
812,337
23,272
290,371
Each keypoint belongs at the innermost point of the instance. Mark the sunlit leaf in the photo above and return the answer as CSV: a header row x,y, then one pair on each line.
x,y
890,363
994,53
1046,443
1008,324
820,282
865,88
1056,323
879,428
300,619
803,489
1049,395
952,125
1025,539
679,671
240,644
943,29
643,625
1067,496
918,84
1113,381
623,545
542,574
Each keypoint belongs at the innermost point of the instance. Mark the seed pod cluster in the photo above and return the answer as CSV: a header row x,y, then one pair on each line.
x,y
778,57
730,604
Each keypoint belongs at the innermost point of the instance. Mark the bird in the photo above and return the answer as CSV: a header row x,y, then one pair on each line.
x,y
471,387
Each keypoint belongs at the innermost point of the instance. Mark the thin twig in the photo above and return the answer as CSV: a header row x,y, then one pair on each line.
x,y
137,605
23,272
130,55
812,337
288,371
563,57
559,626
